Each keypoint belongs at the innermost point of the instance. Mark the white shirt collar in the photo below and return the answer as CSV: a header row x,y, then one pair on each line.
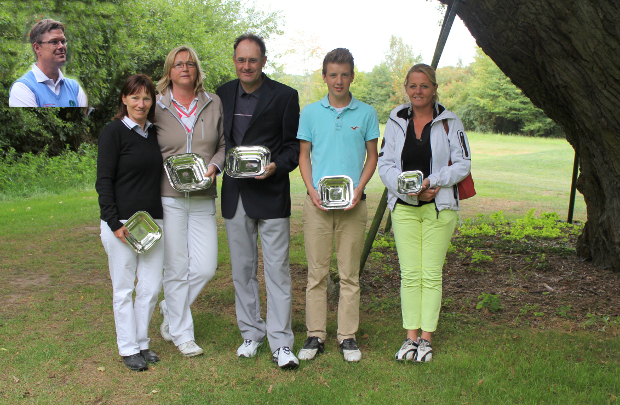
x,y
129,123
42,77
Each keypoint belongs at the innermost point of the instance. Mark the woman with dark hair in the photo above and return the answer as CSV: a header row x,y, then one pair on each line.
x,y
189,120
423,135
129,168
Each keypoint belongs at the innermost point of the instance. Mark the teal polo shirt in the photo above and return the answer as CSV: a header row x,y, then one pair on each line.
x,y
338,139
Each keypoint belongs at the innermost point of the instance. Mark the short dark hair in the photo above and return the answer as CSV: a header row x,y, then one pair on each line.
x,y
133,85
42,27
338,55
254,38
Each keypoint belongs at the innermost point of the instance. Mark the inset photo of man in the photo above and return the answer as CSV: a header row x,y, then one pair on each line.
x,y
45,85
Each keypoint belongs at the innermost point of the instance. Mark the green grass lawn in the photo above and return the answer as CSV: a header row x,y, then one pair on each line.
x,y
58,345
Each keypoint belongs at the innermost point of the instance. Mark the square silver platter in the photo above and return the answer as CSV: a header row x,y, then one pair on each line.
x,y
336,192
143,231
186,172
247,161
410,182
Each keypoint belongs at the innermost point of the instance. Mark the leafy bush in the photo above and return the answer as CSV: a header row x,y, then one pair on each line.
x,y
34,174
108,41
489,301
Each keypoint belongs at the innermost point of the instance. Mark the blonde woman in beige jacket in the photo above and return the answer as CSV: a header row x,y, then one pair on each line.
x,y
189,119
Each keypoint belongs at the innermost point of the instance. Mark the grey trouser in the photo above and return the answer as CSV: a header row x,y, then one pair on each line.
x,y
242,234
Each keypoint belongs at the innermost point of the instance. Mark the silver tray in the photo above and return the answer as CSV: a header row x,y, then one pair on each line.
x,y
247,161
410,182
187,172
143,231
336,192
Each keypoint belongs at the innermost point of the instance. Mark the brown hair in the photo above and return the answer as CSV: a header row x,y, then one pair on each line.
x,y
41,28
428,71
254,38
165,83
133,85
338,55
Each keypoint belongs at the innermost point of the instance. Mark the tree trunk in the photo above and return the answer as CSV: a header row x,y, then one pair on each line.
x,y
565,56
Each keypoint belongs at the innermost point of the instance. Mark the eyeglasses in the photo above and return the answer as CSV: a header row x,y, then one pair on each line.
x,y
55,42
252,61
190,65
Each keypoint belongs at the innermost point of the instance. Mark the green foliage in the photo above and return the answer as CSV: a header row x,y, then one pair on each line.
x,y
375,89
479,257
489,301
34,174
546,226
563,310
108,41
486,100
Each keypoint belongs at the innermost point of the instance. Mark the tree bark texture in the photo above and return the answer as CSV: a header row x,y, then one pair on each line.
x,y
565,56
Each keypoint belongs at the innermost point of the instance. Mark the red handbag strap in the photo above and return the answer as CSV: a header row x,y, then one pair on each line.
x,y
445,126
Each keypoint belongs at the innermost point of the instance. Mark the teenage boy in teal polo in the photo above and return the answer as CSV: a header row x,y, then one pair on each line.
x,y
338,136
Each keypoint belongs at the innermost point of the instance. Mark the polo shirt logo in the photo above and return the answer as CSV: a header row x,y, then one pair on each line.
x,y
71,103
354,128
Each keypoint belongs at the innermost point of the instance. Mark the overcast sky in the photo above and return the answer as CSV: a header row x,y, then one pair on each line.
x,y
366,29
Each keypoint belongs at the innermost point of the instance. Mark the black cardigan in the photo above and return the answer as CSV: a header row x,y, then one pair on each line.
x,y
129,169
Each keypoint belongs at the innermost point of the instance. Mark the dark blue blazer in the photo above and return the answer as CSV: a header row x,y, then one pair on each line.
x,y
273,125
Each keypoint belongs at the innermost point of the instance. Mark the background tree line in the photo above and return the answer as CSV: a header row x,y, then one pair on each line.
x,y
484,98
108,41
111,39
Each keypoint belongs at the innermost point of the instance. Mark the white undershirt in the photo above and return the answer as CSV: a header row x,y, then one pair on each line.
x,y
22,96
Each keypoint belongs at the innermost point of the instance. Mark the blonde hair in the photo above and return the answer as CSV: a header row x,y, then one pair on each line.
x,y
165,83
428,71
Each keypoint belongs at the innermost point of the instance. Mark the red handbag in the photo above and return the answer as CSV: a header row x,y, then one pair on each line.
x,y
466,186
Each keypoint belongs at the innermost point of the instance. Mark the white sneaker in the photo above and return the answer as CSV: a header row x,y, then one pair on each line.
x,y
165,325
285,359
407,350
190,349
350,351
313,346
248,348
424,354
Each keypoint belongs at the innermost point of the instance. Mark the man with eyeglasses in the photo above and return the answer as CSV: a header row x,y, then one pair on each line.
x,y
259,111
45,85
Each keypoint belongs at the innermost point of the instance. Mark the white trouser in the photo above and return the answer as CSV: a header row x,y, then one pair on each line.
x,y
190,258
132,321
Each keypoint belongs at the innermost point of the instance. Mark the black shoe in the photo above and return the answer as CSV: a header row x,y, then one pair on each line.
x,y
149,356
135,362
313,346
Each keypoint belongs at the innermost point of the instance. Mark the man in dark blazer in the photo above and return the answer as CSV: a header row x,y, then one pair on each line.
x,y
260,112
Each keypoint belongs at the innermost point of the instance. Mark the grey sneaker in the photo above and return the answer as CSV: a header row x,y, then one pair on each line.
x,y
407,350
165,325
248,348
350,351
313,346
424,354
285,359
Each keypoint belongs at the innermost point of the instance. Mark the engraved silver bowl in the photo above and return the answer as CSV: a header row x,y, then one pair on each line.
x,y
336,192
187,172
410,182
247,161
143,231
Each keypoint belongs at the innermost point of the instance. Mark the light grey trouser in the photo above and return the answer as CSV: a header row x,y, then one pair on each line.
x,y
242,234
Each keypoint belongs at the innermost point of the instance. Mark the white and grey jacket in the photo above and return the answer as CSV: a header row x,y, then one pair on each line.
x,y
454,146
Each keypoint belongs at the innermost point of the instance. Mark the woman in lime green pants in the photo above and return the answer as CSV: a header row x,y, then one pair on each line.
x,y
423,135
